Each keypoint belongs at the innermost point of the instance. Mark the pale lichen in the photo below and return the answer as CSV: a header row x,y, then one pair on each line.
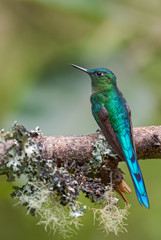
x,y
111,218
101,149
46,204
51,191
77,210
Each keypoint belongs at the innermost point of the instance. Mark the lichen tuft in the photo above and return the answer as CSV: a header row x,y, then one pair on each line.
x,y
111,218
45,203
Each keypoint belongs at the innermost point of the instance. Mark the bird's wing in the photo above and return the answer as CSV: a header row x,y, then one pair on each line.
x,y
123,144
108,131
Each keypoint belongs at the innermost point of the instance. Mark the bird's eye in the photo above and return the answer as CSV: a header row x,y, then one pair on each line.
x,y
99,74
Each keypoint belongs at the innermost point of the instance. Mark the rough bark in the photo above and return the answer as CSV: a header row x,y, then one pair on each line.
x,y
79,148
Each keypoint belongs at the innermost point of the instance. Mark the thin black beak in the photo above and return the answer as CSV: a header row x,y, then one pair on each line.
x,y
80,68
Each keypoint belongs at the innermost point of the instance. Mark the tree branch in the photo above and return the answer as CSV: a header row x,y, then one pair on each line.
x,y
79,148
62,166
72,152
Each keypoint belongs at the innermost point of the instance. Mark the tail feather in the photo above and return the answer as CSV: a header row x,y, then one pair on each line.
x,y
138,181
138,195
131,160
143,199
139,185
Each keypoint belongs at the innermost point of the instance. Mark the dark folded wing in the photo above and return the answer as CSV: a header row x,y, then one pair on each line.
x,y
108,131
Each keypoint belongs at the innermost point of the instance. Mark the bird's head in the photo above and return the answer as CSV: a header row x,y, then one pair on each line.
x,y
102,78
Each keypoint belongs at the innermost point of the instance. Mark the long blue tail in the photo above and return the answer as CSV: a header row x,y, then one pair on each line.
x,y
139,186
131,160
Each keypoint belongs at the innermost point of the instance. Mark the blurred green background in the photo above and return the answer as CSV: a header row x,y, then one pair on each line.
x,y
38,41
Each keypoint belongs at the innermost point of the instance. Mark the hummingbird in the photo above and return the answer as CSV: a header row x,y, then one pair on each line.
x,y
113,115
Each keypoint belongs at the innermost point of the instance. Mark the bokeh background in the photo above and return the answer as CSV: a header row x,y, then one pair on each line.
x,y
38,87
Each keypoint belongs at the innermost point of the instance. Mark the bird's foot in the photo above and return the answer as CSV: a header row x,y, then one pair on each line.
x,y
123,187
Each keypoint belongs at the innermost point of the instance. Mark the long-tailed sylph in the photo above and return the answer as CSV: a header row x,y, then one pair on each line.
x,y
113,115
